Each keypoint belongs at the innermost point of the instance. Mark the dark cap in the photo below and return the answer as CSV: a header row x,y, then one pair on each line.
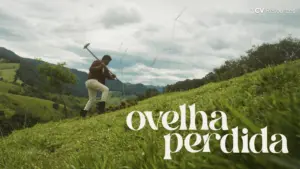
x,y
106,57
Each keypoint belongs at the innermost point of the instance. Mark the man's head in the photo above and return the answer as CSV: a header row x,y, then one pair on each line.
x,y
106,59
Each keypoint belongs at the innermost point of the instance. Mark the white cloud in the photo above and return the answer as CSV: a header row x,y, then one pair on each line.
x,y
83,70
204,36
140,73
119,16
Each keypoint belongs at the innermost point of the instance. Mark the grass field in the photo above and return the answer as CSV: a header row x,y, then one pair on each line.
x,y
8,71
17,101
11,103
37,107
4,87
4,66
269,97
17,106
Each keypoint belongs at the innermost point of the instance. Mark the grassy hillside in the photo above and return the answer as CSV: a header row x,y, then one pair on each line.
x,y
269,97
19,109
37,107
21,104
28,74
8,71
12,101
23,111
4,86
255,58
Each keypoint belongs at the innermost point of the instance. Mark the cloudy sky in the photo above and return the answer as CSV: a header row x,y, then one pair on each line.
x,y
151,41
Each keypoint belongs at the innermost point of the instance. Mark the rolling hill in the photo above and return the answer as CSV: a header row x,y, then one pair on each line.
x,y
268,97
19,111
257,57
24,106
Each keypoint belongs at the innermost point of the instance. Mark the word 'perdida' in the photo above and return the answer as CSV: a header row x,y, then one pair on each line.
x,y
215,124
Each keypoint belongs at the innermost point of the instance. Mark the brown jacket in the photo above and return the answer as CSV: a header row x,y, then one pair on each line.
x,y
99,72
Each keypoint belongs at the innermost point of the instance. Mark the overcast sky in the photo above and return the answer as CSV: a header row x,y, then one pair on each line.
x,y
145,42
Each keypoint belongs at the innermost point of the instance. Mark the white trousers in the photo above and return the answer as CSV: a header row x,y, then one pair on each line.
x,y
93,87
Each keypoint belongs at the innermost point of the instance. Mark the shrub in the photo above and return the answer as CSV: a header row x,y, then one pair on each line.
x,y
55,106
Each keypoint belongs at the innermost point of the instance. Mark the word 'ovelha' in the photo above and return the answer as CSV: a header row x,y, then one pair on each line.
x,y
215,124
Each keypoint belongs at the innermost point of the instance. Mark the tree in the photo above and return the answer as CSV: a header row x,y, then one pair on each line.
x,y
57,77
258,57
17,76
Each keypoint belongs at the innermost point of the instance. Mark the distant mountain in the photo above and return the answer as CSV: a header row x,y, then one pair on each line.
x,y
159,88
29,74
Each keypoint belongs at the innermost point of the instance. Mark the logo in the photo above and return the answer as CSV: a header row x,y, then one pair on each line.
x,y
272,10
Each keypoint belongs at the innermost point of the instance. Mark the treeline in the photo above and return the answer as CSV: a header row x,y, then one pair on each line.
x,y
149,93
258,57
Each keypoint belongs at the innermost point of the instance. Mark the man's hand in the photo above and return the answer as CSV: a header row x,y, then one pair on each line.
x,y
99,67
113,76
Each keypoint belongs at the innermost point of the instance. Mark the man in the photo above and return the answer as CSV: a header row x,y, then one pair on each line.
x,y
98,72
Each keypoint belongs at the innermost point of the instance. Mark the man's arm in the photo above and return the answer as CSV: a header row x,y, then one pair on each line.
x,y
112,77
108,75
96,66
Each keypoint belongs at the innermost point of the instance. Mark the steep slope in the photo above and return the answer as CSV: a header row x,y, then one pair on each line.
x,y
19,111
269,97
24,106
38,108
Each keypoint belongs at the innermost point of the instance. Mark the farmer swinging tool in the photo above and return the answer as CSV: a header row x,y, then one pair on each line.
x,y
98,73
86,47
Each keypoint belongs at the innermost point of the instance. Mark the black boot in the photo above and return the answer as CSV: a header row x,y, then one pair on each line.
x,y
101,107
83,113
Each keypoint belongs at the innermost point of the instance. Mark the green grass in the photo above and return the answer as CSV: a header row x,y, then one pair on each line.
x,y
269,97
18,102
37,107
80,102
4,87
12,104
8,71
8,74
4,66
